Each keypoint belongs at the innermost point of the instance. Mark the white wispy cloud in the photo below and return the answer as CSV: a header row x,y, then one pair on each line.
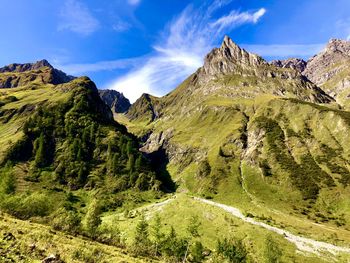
x,y
134,2
187,39
79,69
121,26
236,18
284,51
76,17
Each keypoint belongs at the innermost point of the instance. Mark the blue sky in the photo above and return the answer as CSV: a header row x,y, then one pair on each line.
x,y
138,46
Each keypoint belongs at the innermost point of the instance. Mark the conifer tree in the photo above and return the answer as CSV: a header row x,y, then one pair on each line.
x,y
141,241
40,151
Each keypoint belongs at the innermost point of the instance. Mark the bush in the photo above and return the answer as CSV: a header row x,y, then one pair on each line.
x,y
233,251
197,250
68,221
204,169
272,253
25,207
8,181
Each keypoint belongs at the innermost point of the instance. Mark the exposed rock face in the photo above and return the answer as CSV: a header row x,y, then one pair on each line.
x,y
228,58
16,75
292,63
333,59
115,100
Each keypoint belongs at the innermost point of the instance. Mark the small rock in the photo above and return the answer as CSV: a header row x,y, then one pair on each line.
x,y
9,236
53,258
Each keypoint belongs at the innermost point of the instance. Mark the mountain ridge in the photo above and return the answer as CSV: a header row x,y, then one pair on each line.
x,y
42,72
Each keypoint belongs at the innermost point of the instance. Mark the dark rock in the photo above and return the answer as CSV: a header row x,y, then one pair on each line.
x,y
53,258
8,236
115,100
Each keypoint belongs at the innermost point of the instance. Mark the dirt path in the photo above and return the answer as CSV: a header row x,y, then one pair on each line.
x,y
302,243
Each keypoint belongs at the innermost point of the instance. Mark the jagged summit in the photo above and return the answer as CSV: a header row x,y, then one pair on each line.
x,y
228,58
15,75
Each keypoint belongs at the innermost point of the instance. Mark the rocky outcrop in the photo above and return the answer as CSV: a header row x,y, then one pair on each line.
x,y
292,63
115,100
15,75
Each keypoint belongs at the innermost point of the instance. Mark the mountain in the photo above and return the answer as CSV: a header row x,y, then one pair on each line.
x,y
115,100
257,135
330,70
40,72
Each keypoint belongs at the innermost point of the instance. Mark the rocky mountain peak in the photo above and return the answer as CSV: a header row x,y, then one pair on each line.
x,y
228,58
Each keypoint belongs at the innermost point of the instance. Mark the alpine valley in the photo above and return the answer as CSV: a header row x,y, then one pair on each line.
x,y
245,161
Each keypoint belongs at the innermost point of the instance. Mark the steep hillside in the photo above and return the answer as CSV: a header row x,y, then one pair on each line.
x,y
115,100
64,161
261,137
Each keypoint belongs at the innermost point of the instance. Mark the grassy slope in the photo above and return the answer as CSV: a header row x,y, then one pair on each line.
x,y
33,242
28,98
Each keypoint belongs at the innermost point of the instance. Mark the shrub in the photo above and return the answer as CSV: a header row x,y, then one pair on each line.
x,y
197,252
68,221
204,169
27,206
272,251
233,251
